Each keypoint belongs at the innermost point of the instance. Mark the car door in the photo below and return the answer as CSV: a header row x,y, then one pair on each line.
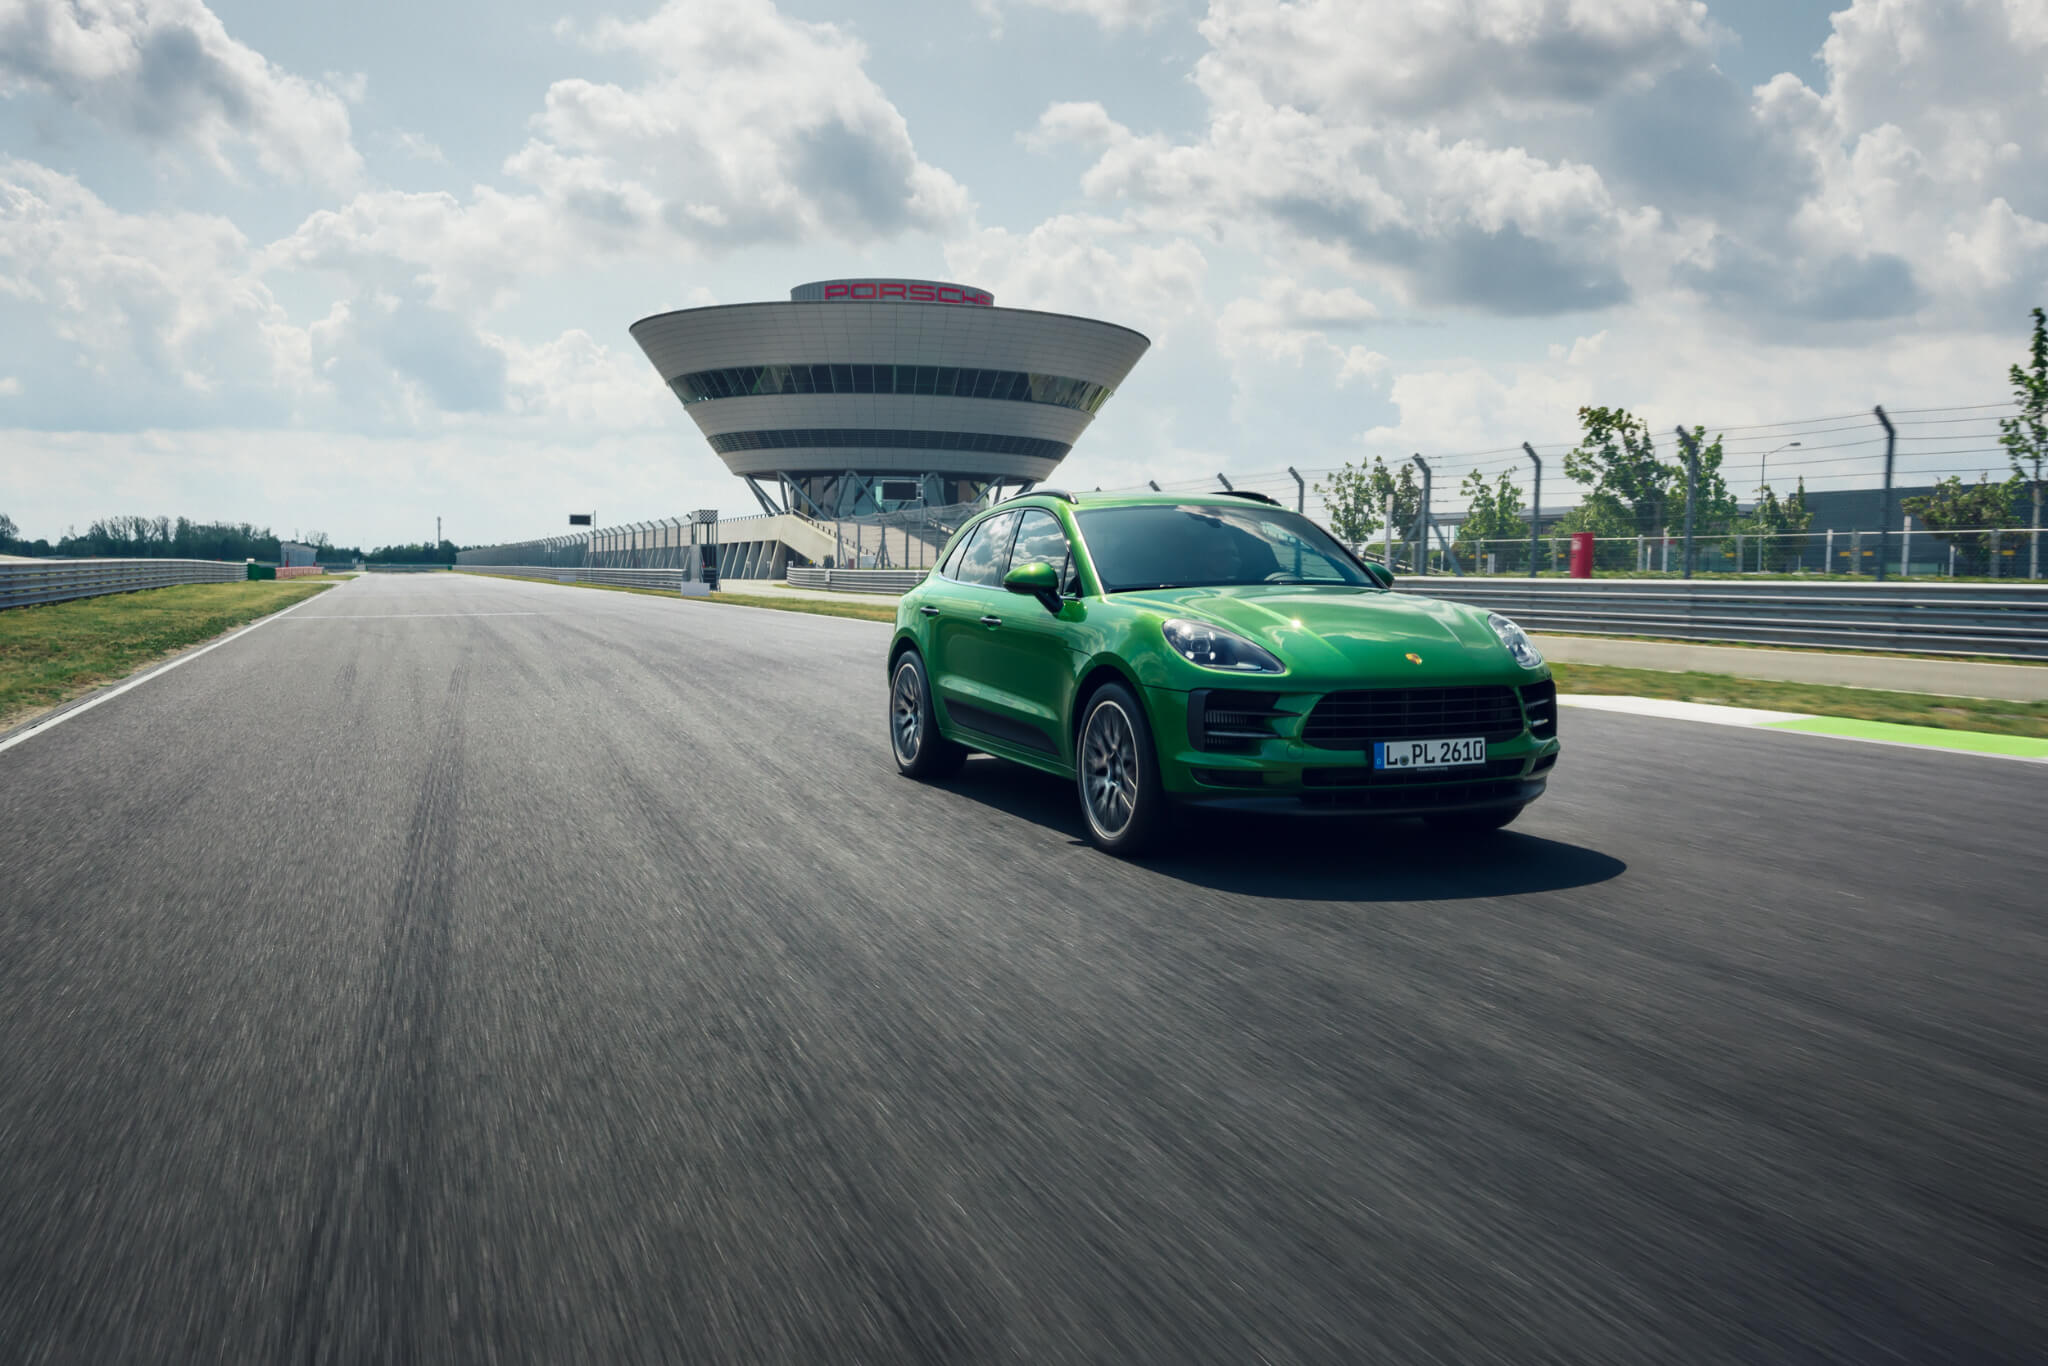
x,y
1029,655
964,621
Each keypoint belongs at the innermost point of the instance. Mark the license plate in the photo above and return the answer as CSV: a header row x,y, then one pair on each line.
x,y
1428,753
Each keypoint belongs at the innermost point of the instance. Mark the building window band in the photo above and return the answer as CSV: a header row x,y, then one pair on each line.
x,y
867,438
937,381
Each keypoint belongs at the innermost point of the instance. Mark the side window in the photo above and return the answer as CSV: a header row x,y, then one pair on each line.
x,y
988,554
1039,537
950,567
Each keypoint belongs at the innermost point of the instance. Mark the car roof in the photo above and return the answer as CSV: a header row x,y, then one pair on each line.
x,y
1218,498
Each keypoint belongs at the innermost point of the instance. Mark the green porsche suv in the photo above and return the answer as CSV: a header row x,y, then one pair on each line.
x,y
1218,650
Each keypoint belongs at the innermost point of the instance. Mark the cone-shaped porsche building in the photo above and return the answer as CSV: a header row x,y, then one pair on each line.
x,y
862,396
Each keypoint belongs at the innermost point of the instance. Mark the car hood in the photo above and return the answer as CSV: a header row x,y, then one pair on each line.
x,y
1346,632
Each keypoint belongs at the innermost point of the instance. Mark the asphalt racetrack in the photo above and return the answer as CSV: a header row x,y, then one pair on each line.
x,y
461,970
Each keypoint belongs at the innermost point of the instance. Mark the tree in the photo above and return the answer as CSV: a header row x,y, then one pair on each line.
x,y
1778,523
2026,436
8,531
1618,457
1491,514
1355,497
1963,514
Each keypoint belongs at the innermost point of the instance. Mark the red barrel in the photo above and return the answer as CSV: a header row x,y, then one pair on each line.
x,y
1582,554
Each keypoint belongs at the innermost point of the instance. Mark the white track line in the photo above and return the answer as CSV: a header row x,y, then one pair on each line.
x,y
52,722
1680,711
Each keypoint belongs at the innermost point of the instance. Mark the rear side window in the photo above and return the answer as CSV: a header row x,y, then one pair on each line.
x,y
951,567
987,556
1040,537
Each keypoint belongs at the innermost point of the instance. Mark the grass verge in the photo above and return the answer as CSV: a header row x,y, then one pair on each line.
x,y
1806,649
52,653
1863,704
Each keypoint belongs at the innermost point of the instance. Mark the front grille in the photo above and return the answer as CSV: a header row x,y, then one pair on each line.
x,y
1373,777
1540,701
1354,720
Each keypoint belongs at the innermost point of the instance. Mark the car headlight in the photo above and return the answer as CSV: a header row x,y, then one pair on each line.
x,y
1517,640
1213,648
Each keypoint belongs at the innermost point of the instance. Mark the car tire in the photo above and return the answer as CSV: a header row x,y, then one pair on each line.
x,y
914,739
1474,822
1116,773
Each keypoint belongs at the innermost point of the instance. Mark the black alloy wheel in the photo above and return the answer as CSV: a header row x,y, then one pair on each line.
x,y
914,739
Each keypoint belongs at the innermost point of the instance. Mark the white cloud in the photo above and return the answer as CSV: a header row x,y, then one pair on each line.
x,y
157,307
166,71
10,385
1111,15
1430,58
1286,321
752,127
419,147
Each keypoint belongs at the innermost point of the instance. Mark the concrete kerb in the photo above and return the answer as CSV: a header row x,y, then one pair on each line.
x,y
1886,673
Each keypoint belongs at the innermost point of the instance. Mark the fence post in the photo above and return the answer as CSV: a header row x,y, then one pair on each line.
x,y
1994,552
1535,504
1692,485
1227,485
1906,548
1738,552
1422,520
1387,529
1856,551
1884,521
1300,491
1829,566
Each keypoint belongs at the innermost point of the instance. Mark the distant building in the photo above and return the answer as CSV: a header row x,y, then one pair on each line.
x,y
875,395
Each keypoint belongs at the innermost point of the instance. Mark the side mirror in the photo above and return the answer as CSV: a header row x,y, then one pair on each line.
x,y
1379,573
1036,579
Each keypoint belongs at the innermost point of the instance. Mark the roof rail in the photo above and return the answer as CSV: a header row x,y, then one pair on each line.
x,y
1050,493
1247,493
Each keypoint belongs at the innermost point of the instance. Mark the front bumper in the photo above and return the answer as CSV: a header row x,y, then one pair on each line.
x,y
1279,772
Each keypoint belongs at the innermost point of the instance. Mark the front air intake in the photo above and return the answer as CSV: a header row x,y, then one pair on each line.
x,y
1355,720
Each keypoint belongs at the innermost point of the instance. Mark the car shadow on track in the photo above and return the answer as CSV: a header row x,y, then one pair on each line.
x,y
1311,858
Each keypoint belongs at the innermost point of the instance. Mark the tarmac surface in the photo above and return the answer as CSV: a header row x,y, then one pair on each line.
x,y
464,970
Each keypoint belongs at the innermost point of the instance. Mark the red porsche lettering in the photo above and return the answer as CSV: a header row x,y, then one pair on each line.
x,y
918,294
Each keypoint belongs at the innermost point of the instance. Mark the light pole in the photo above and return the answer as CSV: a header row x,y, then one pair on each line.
x,y
1764,478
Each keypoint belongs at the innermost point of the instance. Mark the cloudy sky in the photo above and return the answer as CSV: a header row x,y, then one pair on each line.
x,y
350,266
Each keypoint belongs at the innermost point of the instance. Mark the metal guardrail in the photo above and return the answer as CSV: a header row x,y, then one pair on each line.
x,y
24,583
407,568
1994,620
1906,617
858,580
669,580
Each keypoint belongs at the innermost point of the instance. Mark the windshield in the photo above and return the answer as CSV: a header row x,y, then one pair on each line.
x,y
1162,545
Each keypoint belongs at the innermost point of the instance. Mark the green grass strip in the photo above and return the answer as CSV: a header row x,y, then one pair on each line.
x,y
55,652
1915,711
1976,742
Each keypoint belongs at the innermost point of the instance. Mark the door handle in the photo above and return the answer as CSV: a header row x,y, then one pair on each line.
x,y
929,610
991,621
